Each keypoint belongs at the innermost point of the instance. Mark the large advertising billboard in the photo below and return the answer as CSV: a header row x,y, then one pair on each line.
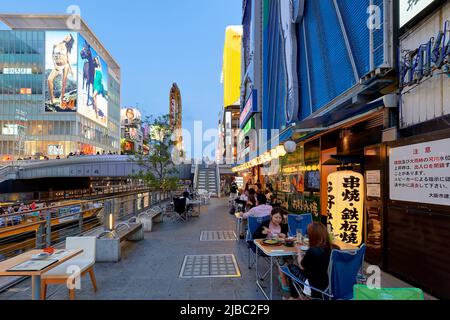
x,y
61,71
130,116
92,83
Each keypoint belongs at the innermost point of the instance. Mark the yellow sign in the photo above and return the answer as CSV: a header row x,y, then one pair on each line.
x,y
232,66
346,206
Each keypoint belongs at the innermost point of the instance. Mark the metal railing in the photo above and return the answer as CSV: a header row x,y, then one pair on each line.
x,y
91,193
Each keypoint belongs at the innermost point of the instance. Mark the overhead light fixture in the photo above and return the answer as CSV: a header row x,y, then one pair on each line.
x,y
290,146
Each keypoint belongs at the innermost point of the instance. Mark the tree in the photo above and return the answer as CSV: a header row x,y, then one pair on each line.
x,y
159,172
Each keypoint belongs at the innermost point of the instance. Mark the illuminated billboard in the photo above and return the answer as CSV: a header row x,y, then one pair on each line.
x,y
61,71
129,116
92,83
232,66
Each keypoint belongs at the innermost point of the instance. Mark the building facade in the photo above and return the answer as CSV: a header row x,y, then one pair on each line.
x,y
60,90
418,180
359,88
231,78
251,87
330,103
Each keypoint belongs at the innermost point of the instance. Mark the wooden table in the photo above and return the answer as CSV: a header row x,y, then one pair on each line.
x,y
35,275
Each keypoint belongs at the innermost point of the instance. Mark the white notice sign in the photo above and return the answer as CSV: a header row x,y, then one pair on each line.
x,y
411,8
421,173
374,190
373,176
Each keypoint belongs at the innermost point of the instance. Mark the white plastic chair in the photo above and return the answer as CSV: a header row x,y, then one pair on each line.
x,y
84,261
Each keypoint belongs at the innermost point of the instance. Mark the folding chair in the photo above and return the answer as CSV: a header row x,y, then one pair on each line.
x,y
343,271
169,212
299,221
180,209
254,223
362,292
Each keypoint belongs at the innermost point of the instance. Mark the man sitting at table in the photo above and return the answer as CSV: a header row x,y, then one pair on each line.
x,y
262,209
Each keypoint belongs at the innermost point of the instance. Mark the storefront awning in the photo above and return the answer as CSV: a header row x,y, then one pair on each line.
x,y
324,122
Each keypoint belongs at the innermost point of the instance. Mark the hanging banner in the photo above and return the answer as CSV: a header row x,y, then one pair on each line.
x,y
346,206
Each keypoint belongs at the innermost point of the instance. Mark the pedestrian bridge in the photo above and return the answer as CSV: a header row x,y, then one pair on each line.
x,y
80,167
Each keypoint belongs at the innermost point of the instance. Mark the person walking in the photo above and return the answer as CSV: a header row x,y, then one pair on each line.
x,y
233,191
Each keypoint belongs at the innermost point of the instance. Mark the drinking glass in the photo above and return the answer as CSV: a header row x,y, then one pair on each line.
x,y
306,240
299,236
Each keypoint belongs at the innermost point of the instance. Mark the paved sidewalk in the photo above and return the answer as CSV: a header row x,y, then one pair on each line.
x,y
150,269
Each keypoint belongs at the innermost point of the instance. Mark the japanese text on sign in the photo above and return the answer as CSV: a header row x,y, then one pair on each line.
x,y
421,173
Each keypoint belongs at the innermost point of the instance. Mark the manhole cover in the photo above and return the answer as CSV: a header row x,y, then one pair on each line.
x,y
210,266
218,236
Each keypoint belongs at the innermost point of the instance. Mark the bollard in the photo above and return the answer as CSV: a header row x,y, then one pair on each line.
x,y
39,234
48,231
80,222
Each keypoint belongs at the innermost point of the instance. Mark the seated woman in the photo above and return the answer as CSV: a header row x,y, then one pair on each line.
x,y
313,265
276,227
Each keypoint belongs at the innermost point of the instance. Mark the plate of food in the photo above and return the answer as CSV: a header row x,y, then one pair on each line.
x,y
272,242
289,242
304,248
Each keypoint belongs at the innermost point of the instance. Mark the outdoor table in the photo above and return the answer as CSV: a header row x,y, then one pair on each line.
x,y
35,275
283,251
272,252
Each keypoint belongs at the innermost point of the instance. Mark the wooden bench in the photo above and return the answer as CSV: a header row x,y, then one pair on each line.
x,y
108,248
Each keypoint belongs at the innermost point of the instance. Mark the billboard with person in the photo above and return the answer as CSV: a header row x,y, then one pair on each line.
x,y
92,83
61,71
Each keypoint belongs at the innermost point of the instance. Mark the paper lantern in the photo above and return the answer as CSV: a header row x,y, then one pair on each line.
x,y
281,151
290,146
345,206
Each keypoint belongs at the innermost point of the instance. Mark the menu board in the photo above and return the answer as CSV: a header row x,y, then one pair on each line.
x,y
421,173
33,265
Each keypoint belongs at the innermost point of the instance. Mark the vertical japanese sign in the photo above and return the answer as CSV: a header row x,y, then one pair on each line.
x,y
346,206
421,173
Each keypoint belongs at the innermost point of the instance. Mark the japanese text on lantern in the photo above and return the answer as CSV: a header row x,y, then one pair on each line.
x,y
346,205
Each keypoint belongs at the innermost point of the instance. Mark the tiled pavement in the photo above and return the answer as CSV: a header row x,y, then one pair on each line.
x,y
150,269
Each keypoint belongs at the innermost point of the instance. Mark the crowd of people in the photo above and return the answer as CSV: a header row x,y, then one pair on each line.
x,y
16,214
70,155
